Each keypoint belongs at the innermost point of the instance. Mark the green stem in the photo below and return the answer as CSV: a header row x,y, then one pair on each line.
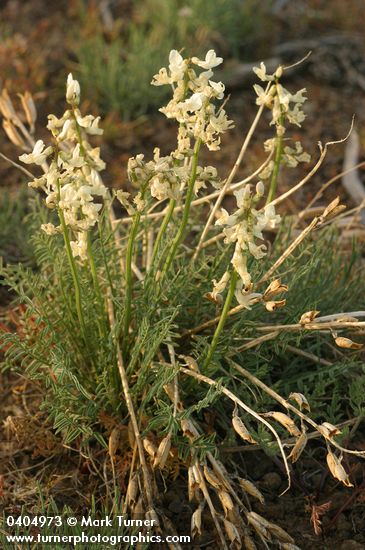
x,y
129,275
277,162
162,229
101,325
74,273
222,320
185,217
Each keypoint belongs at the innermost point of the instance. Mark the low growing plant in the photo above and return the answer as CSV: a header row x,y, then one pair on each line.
x,y
154,317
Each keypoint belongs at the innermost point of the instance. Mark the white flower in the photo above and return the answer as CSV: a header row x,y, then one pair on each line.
x,y
90,124
79,247
218,88
260,189
49,228
211,60
245,297
220,285
239,262
72,91
161,78
38,155
177,65
261,73
194,102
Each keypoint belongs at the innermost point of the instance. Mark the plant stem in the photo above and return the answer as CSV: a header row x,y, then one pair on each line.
x,y
222,320
277,162
185,217
129,278
97,289
74,273
162,229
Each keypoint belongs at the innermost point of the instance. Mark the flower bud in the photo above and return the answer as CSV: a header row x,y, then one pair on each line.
x,y
72,91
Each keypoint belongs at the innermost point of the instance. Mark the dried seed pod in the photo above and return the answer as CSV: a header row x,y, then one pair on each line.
x,y
337,470
190,362
215,298
132,490
280,534
152,516
220,471
248,542
274,288
233,534
29,109
301,400
259,524
332,209
162,452
251,489
14,135
289,546
226,502
196,522
347,343
131,436
113,443
6,106
308,317
138,510
329,430
272,305
188,428
193,483
285,421
241,429
150,447
212,479
298,447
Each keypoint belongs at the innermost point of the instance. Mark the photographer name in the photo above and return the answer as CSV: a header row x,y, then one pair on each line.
x,y
120,521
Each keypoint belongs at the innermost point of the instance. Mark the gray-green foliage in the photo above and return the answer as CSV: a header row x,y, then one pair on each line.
x,y
82,381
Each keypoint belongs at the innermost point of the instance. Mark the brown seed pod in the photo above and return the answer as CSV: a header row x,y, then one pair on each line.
x,y
337,470
241,429
285,421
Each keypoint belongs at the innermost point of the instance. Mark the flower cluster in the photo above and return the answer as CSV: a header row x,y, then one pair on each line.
x,y
285,107
71,181
243,228
192,102
192,105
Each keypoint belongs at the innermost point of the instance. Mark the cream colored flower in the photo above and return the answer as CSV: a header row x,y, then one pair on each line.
x,y
72,91
38,155
211,60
